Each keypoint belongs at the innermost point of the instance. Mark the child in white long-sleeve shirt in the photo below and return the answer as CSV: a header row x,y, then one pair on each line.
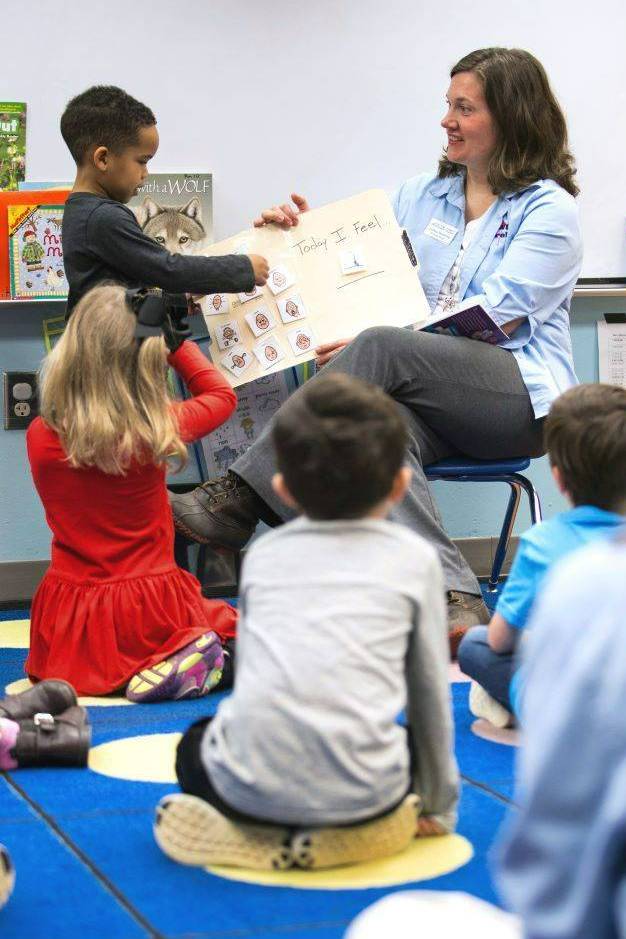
x,y
343,625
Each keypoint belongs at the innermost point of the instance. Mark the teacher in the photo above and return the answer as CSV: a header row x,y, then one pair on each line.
x,y
497,222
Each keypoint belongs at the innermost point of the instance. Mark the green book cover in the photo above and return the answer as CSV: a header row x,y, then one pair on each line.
x,y
12,144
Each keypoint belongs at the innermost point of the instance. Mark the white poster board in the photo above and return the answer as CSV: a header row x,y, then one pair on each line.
x,y
343,268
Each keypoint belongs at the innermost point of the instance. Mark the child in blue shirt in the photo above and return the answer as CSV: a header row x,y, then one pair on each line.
x,y
585,435
562,855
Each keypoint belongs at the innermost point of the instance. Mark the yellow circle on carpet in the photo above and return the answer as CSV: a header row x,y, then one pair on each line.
x,y
424,859
147,758
14,634
151,758
23,684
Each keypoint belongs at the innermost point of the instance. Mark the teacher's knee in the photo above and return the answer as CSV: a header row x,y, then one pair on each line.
x,y
380,336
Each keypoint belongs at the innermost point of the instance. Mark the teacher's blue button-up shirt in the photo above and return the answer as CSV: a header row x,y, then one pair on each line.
x,y
524,261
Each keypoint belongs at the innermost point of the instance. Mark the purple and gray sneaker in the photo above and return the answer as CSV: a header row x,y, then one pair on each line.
x,y
192,672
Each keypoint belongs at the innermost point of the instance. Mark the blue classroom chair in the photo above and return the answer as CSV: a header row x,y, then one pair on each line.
x,y
462,469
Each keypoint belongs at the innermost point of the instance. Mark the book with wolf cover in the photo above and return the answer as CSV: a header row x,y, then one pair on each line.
x,y
36,252
12,144
176,210
468,319
50,197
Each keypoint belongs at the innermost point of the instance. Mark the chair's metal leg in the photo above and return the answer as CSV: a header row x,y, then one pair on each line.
x,y
534,503
505,534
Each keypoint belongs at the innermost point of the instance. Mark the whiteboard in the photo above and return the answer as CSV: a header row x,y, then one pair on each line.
x,y
331,97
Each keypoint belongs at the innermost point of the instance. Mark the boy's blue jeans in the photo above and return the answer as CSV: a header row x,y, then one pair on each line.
x,y
492,670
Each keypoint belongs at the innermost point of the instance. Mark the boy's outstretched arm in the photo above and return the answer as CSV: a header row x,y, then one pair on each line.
x,y
114,235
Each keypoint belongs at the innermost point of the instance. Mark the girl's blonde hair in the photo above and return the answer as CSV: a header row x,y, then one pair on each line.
x,y
105,395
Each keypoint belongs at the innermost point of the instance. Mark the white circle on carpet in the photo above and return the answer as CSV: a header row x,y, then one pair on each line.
x,y
117,700
151,758
14,633
146,758
424,859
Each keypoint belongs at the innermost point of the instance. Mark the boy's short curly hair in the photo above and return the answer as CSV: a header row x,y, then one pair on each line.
x,y
339,444
585,435
103,116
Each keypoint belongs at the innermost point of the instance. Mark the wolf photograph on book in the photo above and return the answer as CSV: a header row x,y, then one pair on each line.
x,y
176,211
179,228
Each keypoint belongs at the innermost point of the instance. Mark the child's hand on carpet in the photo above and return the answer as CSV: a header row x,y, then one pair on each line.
x,y
428,826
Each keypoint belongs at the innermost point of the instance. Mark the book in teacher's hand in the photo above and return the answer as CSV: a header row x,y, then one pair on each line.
x,y
470,320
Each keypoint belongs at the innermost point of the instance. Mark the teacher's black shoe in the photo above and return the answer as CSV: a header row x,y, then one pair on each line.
x,y
221,512
464,611
52,696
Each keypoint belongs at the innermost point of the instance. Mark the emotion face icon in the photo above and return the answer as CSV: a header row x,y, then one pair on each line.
x,y
261,321
279,279
228,333
291,308
270,353
216,302
239,360
303,341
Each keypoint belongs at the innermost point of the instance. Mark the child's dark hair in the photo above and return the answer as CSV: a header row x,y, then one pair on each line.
x,y
585,435
103,116
339,444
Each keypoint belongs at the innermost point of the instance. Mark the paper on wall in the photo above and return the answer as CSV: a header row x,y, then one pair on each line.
x,y
612,353
257,402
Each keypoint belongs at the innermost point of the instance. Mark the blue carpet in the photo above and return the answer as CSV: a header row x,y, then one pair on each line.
x,y
88,867
56,895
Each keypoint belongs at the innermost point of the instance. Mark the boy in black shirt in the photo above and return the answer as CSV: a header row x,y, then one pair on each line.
x,y
112,137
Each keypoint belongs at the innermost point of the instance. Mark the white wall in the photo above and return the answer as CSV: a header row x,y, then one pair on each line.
x,y
329,97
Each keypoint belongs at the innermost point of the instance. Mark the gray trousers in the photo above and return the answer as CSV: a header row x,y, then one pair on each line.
x,y
458,396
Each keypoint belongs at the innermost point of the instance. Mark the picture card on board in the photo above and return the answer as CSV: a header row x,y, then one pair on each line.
x,y
291,308
269,352
260,320
237,361
301,340
217,303
227,334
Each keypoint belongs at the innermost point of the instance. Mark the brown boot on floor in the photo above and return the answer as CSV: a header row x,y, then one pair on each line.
x,y
464,610
52,696
59,740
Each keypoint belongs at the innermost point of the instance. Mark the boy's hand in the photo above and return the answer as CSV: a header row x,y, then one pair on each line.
x,y
284,215
261,269
329,350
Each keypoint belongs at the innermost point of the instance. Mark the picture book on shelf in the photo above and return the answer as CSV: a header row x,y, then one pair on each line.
x,y
50,197
176,210
36,252
12,144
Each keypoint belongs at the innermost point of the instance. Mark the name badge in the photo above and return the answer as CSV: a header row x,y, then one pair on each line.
x,y
440,231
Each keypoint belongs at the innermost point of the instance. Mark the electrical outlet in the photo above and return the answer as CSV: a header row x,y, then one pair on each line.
x,y
21,404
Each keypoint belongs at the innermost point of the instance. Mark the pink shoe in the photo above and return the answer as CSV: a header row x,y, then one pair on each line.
x,y
190,673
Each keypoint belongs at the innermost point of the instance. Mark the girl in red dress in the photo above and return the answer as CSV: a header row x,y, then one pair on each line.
x,y
113,610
